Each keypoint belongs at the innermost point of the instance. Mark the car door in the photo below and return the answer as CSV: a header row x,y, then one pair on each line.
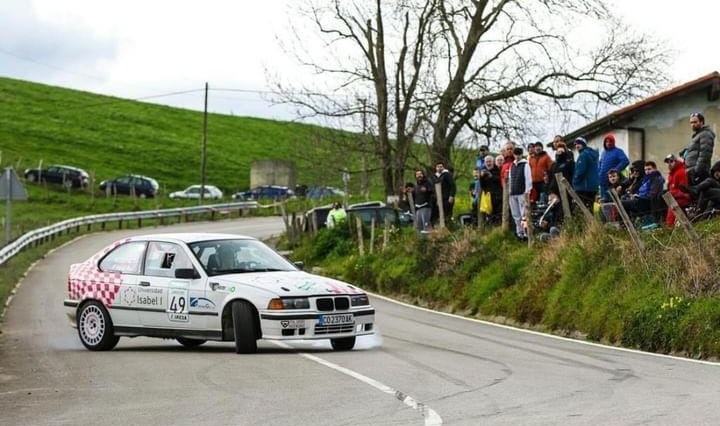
x,y
122,265
166,298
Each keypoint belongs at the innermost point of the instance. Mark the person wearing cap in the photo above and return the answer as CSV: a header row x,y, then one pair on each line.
x,y
612,158
520,178
480,159
585,176
698,154
540,165
676,176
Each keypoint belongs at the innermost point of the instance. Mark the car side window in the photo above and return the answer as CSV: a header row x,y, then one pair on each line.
x,y
164,258
125,258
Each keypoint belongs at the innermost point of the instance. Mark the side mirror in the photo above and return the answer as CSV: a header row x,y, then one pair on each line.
x,y
186,273
300,265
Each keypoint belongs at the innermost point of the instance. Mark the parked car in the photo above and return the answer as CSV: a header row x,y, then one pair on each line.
x,y
193,192
195,287
273,192
322,192
67,176
378,211
142,186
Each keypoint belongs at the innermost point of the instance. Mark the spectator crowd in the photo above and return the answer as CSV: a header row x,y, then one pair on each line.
x,y
529,175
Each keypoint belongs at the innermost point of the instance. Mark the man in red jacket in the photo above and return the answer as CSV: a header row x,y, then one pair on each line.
x,y
677,176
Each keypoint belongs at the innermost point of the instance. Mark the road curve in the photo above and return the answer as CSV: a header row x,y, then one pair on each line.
x,y
422,368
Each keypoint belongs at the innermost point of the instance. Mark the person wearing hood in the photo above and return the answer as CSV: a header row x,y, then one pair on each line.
x,y
612,158
677,176
699,153
641,204
585,176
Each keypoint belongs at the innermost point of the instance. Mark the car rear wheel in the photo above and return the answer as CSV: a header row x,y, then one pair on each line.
x,y
244,328
95,327
190,343
343,343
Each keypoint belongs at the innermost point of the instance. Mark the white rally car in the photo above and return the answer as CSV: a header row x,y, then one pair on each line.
x,y
199,287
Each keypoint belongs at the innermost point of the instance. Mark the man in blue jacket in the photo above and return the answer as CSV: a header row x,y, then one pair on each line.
x,y
612,158
585,176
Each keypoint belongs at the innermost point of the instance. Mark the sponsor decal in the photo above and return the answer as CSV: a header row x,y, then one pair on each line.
x,y
201,303
292,324
306,286
179,317
129,295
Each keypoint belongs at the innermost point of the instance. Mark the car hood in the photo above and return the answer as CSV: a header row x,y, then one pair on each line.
x,y
286,283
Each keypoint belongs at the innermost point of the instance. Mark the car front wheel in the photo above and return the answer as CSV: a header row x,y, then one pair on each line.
x,y
95,327
244,327
343,343
31,177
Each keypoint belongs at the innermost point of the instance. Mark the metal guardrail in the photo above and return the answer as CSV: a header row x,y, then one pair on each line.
x,y
48,232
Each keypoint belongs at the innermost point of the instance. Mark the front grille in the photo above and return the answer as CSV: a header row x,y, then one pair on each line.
x,y
342,303
327,304
333,329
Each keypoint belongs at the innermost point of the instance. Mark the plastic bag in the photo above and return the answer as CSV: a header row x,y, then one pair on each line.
x,y
485,203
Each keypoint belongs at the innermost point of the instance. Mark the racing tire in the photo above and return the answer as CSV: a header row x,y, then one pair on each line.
x,y
95,327
32,177
244,328
343,343
67,183
190,343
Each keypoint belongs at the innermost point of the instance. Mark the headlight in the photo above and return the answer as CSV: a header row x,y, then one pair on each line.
x,y
359,300
290,303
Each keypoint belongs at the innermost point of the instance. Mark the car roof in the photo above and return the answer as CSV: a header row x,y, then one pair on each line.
x,y
189,237
77,169
206,186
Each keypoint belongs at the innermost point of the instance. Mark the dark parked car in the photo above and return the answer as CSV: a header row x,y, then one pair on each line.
x,y
273,192
65,175
365,211
143,186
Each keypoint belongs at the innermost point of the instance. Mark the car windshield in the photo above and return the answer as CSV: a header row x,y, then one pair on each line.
x,y
237,256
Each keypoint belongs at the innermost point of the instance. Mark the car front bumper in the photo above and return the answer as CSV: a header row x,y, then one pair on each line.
x,y
293,325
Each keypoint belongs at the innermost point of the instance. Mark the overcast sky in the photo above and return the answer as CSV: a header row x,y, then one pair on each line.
x,y
144,49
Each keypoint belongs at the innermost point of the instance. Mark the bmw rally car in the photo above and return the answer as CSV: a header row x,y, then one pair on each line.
x,y
199,287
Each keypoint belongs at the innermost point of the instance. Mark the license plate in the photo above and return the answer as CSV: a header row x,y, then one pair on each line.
x,y
335,319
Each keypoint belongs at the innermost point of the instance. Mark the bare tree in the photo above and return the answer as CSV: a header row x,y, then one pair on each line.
x,y
454,68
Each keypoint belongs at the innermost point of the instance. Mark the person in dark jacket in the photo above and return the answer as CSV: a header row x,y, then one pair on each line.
x,y
490,181
585,177
423,198
699,153
612,158
564,163
448,188
707,192
641,204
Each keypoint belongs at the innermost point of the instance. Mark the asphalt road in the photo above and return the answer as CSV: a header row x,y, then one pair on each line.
x,y
421,368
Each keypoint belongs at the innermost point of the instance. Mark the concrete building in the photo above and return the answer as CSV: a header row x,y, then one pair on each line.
x,y
659,125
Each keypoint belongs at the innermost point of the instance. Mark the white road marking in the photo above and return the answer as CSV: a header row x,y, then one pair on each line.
x,y
431,417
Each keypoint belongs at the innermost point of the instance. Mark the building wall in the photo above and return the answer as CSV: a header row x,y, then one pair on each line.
x,y
273,172
667,129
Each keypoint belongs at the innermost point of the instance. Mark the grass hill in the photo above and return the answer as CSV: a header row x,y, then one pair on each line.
x,y
110,136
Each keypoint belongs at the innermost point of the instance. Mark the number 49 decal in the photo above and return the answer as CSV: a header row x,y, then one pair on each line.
x,y
178,301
